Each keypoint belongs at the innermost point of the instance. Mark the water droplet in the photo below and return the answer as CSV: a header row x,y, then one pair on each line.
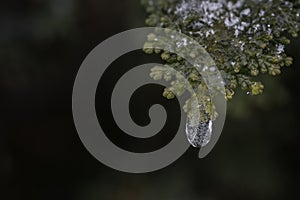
x,y
212,69
198,134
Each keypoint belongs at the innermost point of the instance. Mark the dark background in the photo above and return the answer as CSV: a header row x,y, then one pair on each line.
x,y
42,44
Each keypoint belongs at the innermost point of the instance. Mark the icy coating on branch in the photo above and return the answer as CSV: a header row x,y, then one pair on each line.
x,y
235,15
210,12
246,38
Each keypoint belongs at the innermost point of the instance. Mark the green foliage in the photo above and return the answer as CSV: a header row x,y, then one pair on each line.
x,y
245,38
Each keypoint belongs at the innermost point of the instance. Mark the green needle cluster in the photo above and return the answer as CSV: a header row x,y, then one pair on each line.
x,y
245,38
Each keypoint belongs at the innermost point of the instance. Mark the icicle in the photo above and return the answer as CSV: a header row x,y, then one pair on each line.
x,y
199,135
198,125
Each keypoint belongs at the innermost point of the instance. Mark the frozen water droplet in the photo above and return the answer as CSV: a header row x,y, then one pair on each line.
x,y
198,134
212,69
280,48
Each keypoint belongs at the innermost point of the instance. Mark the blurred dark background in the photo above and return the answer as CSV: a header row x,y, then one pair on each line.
x,y
42,44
